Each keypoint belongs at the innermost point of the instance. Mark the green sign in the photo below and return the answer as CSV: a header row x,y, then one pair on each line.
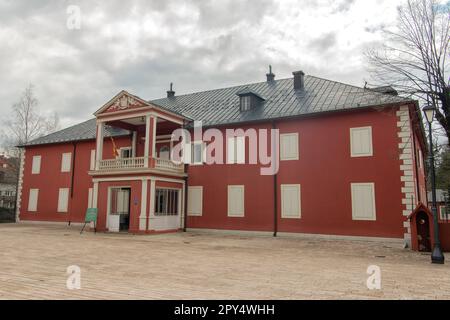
x,y
91,215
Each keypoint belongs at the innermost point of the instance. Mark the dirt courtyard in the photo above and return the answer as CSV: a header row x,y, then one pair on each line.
x,y
196,265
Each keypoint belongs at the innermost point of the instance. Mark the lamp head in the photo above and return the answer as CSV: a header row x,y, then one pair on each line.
x,y
429,110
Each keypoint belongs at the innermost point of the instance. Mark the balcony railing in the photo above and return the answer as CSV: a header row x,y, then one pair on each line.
x,y
138,163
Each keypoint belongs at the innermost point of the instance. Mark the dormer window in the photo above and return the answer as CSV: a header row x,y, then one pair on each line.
x,y
245,103
249,100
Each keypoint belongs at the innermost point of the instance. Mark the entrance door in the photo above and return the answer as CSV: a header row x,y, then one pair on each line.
x,y
119,216
423,232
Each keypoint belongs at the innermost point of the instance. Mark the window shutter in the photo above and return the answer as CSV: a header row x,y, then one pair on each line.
x,y
289,146
33,199
195,201
92,163
290,201
63,199
240,149
235,201
363,201
231,150
90,193
361,142
65,162
36,166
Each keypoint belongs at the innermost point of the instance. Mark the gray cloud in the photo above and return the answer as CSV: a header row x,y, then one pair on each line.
x,y
142,46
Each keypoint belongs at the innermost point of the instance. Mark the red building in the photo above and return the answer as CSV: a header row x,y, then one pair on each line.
x,y
350,162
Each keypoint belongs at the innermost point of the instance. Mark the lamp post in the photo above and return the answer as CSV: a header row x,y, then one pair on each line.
x,y
436,255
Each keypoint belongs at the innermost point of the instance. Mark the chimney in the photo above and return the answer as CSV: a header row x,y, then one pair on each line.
x,y
270,76
299,80
170,93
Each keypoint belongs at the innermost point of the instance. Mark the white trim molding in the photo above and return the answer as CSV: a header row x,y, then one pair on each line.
x,y
405,148
20,183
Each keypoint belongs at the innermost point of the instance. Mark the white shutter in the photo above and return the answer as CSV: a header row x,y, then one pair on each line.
x,y
195,201
289,146
236,201
92,163
90,193
290,201
36,167
240,149
363,201
65,162
33,199
231,150
361,142
63,199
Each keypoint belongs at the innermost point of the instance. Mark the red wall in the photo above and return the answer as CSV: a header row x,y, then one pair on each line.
x,y
324,171
51,179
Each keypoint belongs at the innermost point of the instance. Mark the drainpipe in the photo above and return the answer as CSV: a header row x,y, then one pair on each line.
x,y
275,195
185,200
74,152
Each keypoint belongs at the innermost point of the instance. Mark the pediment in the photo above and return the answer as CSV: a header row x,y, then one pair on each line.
x,y
122,102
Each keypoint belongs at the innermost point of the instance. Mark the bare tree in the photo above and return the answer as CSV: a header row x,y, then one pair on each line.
x,y
26,122
414,57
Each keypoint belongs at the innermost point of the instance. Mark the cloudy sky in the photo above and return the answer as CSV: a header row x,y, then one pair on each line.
x,y
142,46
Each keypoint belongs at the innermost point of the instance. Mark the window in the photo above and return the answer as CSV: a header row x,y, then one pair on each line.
x,y
125,152
90,195
420,159
92,163
236,150
235,201
245,103
361,142
443,213
166,202
164,152
65,162
289,146
290,201
63,199
195,201
33,199
363,201
197,150
36,166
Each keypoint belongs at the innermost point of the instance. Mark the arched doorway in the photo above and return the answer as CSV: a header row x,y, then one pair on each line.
x,y
423,231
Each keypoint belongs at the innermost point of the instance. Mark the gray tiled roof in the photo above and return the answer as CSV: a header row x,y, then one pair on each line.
x,y
221,106
82,131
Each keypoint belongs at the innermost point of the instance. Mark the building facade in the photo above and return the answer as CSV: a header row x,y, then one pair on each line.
x,y
349,161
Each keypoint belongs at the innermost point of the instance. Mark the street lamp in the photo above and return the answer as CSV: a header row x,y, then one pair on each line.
x,y
436,255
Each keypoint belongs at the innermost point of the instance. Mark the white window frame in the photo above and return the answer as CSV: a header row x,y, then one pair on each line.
x,y
130,149
353,147
63,200
236,150
286,155
353,199
192,151
287,215
90,197
36,165
92,160
441,213
66,162
190,211
32,206
229,201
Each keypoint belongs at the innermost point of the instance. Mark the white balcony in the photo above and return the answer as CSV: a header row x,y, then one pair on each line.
x,y
139,163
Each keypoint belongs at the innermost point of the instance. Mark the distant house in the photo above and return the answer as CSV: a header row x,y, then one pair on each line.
x,y
350,162
443,202
7,195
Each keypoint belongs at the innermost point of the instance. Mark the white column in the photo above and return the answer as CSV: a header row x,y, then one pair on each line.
x,y
154,137
151,214
133,144
147,140
95,195
143,215
99,150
